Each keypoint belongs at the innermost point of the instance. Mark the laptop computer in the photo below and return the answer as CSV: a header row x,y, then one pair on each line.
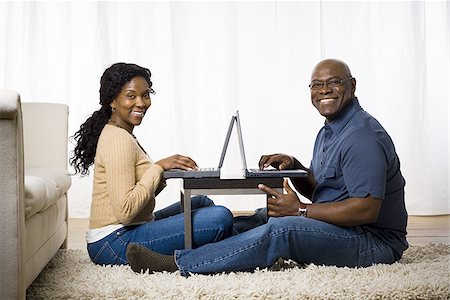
x,y
266,172
204,172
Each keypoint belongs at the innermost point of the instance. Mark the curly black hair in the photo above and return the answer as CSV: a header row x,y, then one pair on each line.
x,y
111,83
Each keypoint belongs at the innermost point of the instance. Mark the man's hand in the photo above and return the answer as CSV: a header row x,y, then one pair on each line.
x,y
177,162
278,161
279,204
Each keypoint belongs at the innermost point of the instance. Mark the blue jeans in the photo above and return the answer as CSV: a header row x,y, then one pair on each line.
x,y
166,233
300,239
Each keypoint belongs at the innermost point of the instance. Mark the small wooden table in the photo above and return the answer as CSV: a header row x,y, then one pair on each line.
x,y
217,186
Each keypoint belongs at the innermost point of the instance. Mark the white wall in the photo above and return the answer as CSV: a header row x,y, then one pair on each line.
x,y
210,58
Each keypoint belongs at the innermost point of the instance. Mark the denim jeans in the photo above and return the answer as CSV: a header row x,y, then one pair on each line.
x,y
300,239
166,233
244,223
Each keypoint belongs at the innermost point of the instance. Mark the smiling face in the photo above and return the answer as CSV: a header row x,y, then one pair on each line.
x,y
130,106
331,99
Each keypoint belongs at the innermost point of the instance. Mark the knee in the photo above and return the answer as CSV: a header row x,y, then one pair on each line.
x,y
285,223
201,201
223,218
223,215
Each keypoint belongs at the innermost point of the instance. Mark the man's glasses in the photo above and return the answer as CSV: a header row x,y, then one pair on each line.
x,y
332,83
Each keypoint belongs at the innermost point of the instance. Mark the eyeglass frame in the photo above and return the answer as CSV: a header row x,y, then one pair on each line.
x,y
326,83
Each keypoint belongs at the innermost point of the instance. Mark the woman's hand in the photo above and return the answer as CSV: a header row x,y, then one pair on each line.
x,y
177,161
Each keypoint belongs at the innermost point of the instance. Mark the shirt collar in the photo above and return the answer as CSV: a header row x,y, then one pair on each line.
x,y
344,117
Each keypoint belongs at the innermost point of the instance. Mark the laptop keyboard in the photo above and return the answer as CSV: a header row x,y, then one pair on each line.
x,y
258,170
206,169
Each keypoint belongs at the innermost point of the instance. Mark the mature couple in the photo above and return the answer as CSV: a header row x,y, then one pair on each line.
x,y
357,217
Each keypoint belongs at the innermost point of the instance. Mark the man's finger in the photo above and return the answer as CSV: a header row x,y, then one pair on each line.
x,y
269,162
262,161
268,190
272,203
271,213
287,163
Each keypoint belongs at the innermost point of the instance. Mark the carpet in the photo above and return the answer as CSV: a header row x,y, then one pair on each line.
x,y
422,273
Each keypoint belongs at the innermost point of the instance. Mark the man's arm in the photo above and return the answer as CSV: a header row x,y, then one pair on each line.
x,y
348,212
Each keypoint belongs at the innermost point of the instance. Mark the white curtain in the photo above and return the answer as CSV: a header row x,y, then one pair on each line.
x,y
210,58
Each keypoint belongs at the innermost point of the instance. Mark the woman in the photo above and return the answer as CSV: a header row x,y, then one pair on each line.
x,y
126,181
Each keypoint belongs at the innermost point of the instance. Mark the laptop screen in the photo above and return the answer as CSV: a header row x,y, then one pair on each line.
x,y
241,142
227,141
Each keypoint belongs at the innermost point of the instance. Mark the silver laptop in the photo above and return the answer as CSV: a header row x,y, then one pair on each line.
x,y
204,172
262,173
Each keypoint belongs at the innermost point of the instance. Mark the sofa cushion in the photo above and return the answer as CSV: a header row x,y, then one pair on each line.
x,y
43,187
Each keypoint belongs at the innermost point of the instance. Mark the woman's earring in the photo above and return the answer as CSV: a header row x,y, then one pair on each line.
x,y
113,109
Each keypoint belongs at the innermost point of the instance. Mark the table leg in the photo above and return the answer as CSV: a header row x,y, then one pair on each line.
x,y
187,210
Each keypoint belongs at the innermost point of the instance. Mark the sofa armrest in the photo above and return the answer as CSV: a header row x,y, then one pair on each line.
x,y
12,216
45,134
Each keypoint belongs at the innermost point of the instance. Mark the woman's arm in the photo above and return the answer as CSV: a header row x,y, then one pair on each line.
x,y
128,194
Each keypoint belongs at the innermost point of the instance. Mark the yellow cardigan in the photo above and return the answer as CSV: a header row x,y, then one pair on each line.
x,y
126,181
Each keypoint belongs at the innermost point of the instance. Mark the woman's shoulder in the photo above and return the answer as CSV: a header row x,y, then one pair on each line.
x,y
114,135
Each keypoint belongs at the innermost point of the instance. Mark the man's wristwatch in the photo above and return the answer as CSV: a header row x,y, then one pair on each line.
x,y
302,212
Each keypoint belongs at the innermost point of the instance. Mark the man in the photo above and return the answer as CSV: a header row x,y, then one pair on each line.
x,y
357,217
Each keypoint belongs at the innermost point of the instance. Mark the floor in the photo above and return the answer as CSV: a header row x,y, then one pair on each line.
x,y
421,230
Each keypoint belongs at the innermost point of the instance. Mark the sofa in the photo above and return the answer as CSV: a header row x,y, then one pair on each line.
x,y
34,182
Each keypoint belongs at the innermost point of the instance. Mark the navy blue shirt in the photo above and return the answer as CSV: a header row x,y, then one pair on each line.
x,y
355,157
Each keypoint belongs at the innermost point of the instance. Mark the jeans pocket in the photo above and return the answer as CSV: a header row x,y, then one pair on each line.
x,y
105,255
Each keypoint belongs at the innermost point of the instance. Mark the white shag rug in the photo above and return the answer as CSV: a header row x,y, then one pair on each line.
x,y
422,273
